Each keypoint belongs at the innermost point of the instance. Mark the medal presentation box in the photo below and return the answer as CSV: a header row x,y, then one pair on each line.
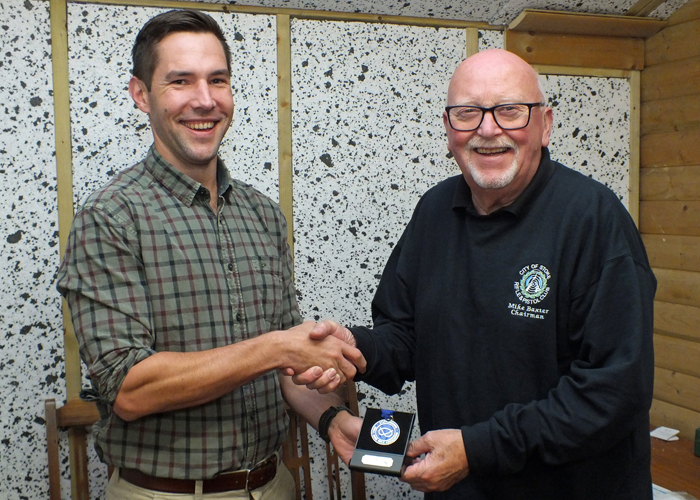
x,y
382,443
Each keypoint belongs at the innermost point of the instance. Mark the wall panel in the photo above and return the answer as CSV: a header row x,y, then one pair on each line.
x,y
673,252
591,131
672,79
677,320
677,388
671,115
670,208
31,340
670,183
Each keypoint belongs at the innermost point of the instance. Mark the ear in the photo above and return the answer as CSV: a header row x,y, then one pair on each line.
x,y
547,120
139,93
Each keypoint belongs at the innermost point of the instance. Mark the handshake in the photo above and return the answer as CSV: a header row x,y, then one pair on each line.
x,y
321,355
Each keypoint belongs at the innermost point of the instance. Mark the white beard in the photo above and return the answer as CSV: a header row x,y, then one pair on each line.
x,y
486,181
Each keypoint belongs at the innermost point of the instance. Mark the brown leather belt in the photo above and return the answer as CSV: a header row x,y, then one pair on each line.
x,y
248,479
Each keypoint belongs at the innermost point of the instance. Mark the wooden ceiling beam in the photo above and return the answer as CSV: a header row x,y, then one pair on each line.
x,y
582,24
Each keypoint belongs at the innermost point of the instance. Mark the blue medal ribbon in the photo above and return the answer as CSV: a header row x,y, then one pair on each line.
x,y
387,414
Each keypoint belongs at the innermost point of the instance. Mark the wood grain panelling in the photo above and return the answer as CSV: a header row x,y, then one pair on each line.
x,y
670,183
578,51
670,44
678,287
671,149
567,23
675,416
676,320
673,252
671,115
670,217
677,354
677,388
672,79
689,12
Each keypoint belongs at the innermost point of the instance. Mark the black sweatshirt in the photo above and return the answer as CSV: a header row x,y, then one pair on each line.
x,y
531,330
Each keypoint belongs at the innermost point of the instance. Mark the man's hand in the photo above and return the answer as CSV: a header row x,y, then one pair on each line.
x,y
316,378
329,327
325,360
343,432
444,464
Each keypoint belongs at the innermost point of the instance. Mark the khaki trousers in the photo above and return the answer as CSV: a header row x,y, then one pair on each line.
x,y
280,488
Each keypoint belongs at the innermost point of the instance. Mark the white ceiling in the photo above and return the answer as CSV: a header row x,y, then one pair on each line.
x,y
496,12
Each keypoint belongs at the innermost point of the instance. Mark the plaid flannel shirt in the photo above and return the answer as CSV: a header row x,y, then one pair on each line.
x,y
150,267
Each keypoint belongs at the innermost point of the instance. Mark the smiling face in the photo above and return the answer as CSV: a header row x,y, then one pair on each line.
x,y
190,104
497,164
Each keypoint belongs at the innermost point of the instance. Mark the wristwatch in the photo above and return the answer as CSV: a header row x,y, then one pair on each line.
x,y
325,421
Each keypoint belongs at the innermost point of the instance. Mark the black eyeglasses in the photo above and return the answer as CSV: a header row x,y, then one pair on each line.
x,y
511,116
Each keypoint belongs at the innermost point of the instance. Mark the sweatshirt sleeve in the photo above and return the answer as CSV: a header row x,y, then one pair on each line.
x,y
389,347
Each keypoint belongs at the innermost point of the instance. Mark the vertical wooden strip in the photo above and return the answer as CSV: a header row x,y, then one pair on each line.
x,y
472,41
64,191
635,80
64,171
284,122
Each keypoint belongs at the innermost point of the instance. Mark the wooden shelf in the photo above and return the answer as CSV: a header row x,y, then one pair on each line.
x,y
569,23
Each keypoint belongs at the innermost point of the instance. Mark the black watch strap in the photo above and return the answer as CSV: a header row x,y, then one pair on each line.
x,y
325,421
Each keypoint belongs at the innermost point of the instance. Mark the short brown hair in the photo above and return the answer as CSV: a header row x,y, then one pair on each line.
x,y
144,53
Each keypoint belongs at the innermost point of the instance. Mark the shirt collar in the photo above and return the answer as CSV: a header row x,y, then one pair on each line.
x,y
463,194
180,185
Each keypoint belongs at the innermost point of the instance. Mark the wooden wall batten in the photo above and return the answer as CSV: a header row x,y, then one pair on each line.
x,y
284,122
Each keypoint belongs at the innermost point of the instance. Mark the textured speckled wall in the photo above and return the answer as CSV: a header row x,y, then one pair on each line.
x,y
497,12
591,127
31,338
368,141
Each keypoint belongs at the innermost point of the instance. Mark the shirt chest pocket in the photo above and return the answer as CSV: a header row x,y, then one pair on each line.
x,y
268,289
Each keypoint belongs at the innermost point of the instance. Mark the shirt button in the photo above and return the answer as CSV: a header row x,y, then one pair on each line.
x,y
230,266
239,317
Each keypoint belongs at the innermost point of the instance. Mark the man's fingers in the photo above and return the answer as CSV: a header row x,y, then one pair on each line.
x,y
307,377
322,330
355,356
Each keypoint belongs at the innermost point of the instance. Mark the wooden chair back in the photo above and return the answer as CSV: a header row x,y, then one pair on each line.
x,y
76,415
295,454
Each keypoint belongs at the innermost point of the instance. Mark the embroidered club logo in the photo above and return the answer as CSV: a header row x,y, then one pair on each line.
x,y
385,432
532,287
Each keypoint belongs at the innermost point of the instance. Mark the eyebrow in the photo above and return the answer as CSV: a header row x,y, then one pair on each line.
x,y
180,74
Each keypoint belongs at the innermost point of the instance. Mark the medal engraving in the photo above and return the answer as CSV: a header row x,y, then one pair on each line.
x,y
385,432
